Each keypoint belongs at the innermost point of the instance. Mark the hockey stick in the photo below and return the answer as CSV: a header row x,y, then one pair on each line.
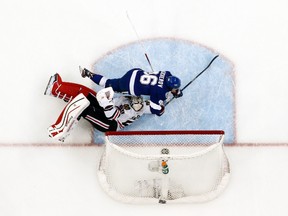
x,y
195,78
137,35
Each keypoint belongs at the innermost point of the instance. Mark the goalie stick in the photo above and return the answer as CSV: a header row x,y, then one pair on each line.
x,y
194,78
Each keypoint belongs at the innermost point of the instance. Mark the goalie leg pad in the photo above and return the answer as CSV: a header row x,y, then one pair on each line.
x,y
65,90
68,118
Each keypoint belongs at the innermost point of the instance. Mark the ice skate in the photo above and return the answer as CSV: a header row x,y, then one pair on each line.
x,y
53,79
85,72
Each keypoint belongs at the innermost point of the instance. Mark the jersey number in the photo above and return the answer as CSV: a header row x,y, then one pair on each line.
x,y
148,79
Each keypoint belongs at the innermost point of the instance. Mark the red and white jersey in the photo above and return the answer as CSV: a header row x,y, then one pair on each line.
x,y
123,112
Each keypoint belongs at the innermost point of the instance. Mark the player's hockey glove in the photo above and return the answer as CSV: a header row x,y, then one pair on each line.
x,y
178,93
162,110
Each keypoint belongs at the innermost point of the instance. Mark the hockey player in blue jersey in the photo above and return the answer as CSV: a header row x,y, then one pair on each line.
x,y
138,82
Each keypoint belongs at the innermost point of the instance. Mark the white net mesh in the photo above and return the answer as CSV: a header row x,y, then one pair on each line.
x,y
174,166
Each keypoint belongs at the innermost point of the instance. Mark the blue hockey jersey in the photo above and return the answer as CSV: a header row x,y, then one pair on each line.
x,y
138,82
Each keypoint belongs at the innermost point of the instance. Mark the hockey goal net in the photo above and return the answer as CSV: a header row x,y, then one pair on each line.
x,y
164,166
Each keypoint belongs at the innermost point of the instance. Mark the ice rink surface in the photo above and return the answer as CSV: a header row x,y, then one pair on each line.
x,y
39,38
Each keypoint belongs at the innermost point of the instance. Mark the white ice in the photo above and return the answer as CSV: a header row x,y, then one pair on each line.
x,y
39,38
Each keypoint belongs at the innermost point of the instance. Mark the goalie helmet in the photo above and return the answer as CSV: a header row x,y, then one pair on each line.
x,y
136,102
173,82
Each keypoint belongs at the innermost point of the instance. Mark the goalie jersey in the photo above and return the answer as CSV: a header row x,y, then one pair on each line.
x,y
125,109
128,110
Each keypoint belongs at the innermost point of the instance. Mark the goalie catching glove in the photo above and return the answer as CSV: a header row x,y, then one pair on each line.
x,y
105,98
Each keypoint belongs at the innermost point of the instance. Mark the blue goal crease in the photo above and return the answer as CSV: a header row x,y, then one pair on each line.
x,y
208,103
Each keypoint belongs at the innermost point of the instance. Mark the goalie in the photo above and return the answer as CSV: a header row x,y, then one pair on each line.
x,y
103,111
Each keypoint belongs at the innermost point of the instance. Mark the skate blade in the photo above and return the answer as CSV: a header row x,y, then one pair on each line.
x,y
50,84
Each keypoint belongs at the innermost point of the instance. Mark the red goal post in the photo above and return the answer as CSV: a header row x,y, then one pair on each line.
x,y
164,166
